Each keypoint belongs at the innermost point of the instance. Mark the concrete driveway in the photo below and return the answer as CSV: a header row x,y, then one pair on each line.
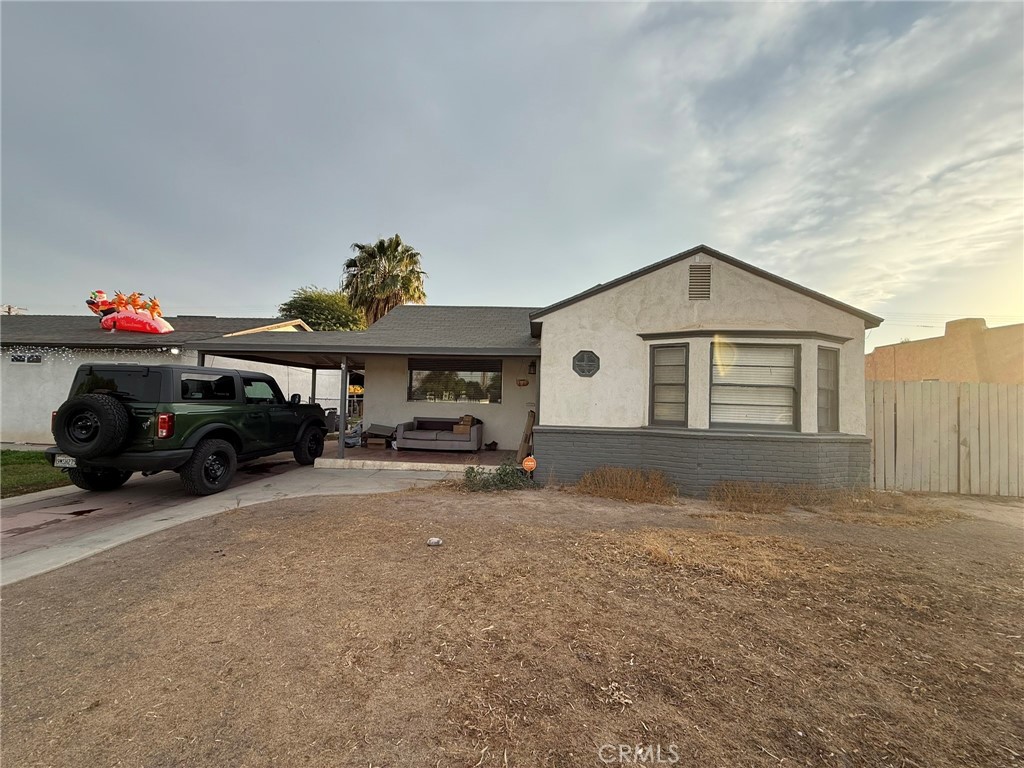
x,y
46,530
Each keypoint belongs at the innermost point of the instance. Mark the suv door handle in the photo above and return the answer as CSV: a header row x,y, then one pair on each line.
x,y
254,415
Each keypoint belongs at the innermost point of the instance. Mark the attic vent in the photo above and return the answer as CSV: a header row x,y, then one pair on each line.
x,y
700,282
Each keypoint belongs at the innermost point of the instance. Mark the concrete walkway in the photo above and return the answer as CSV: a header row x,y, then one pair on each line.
x,y
300,481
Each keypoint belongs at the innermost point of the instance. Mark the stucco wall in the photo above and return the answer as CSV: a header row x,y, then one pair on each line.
x,y
30,392
386,399
608,324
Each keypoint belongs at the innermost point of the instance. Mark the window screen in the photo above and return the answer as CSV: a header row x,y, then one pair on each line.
x,y
828,390
455,380
754,386
668,385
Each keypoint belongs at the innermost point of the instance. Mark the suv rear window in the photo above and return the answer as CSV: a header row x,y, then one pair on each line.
x,y
139,385
207,386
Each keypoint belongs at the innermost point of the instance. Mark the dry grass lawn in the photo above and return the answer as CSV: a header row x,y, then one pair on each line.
x,y
323,632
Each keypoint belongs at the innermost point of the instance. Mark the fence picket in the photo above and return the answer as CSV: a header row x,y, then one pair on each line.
x,y
922,438
1013,446
952,441
878,429
963,443
1003,419
985,441
889,433
934,420
942,406
1020,440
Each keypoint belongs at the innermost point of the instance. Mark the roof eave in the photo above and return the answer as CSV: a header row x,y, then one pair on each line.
x,y
225,349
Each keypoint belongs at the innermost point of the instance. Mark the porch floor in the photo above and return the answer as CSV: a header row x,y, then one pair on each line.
x,y
383,458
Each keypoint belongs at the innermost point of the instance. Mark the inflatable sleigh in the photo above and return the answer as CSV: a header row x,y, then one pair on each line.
x,y
128,313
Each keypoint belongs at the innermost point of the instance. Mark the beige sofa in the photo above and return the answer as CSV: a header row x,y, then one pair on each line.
x,y
433,434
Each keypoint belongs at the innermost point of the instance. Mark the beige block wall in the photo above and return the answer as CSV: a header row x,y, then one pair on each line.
x,y
386,399
968,351
609,324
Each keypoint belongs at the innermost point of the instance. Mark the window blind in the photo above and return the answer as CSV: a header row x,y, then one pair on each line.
x,y
668,385
828,389
754,385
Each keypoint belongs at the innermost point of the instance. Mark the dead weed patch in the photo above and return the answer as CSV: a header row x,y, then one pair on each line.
x,y
627,484
885,509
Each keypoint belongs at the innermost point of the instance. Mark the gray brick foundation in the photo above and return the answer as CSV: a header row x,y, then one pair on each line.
x,y
695,459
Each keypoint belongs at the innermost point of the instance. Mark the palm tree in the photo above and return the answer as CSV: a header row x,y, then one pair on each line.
x,y
382,276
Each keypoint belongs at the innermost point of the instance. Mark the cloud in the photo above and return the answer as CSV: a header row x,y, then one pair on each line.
x,y
858,160
527,150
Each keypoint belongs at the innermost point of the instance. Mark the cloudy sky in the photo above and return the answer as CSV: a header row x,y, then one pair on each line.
x,y
221,155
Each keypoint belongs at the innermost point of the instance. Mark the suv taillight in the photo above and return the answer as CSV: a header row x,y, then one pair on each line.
x,y
164,425
53,420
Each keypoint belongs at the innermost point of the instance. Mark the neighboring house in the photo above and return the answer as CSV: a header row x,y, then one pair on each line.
x,y
700,365
42,352
968,351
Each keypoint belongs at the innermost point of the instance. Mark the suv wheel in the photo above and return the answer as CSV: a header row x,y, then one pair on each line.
x,y
310,446
87,426
98,479
210,469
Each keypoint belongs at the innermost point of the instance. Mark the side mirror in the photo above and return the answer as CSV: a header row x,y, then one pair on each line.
x,y
295,399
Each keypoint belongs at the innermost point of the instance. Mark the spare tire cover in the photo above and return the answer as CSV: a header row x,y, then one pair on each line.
x,y
88,426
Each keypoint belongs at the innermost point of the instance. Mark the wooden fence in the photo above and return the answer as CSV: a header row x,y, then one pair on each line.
x,y
948,438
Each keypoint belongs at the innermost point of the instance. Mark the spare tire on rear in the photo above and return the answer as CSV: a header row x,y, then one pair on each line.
x,y
89,426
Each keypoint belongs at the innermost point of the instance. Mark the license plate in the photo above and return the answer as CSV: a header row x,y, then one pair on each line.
x,y
64,462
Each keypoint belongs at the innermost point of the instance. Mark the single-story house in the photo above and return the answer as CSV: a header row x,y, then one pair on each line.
x,y
42,352
700,365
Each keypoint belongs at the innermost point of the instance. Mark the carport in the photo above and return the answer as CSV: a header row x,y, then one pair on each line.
x,y
408,340
325,350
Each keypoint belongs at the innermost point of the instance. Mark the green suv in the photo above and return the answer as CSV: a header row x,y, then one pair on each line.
x,y
199,422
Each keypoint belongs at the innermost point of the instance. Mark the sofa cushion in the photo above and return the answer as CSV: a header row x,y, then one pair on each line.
x,y
421,434
464,438
440,425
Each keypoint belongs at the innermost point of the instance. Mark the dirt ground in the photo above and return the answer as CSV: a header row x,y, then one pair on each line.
x,y
548,630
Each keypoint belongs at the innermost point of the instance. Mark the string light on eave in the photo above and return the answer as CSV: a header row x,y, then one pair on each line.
x,y
83,354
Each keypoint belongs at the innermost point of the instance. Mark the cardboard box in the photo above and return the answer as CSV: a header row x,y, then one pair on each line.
x,y
462,429
376,442
468,420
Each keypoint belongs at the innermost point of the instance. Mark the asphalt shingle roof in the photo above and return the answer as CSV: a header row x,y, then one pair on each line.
x,y
85,331
409,329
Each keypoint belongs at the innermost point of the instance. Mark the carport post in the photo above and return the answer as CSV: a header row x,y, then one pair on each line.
x,y
343,408
312,389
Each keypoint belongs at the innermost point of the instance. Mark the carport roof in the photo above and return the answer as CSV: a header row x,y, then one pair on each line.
x,y
407,330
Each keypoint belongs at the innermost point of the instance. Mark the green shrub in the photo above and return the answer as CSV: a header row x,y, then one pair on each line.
x,y
508,477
